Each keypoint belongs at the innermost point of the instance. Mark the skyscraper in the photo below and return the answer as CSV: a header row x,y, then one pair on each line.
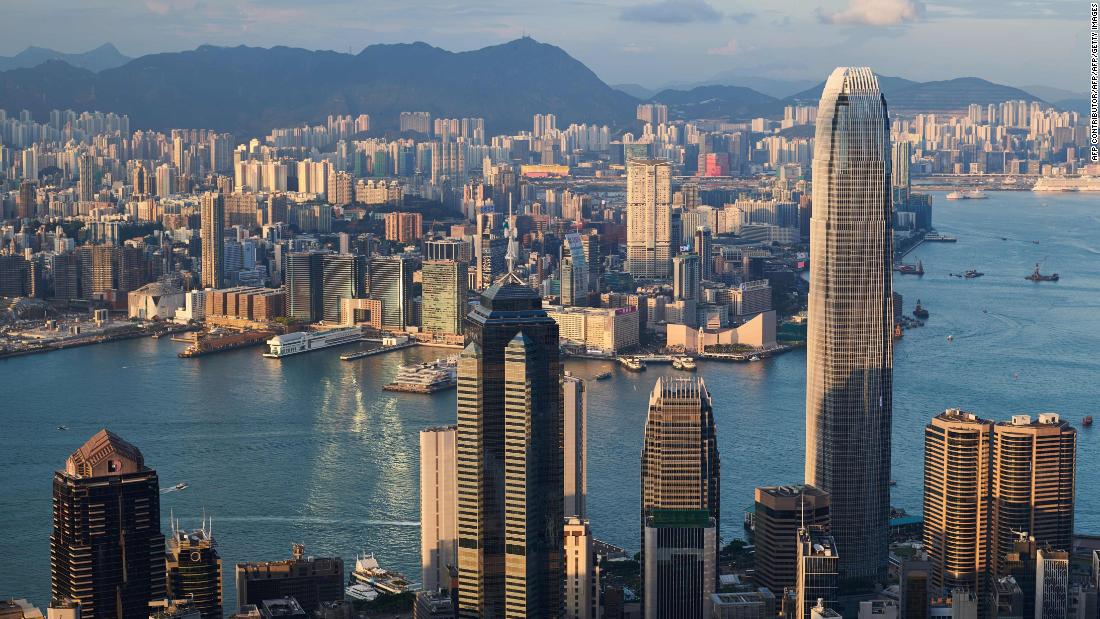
x,y
1051,584
680,498
86,183
956,501
582,581
702,247
213,248
849,373
817,577
780,512
510,458
1032,482
194,570
391,281
106,549
305,272
575,396
649,241
438,502
443,287
344,277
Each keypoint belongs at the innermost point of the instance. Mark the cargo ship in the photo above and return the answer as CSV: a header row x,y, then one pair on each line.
x,y
308,341
428,377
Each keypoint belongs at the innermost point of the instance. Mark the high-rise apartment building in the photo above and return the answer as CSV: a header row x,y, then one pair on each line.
x,y
956,501
86,183
194,570
106,548
780,511
419,122
816,578
404,227
438,505
443,287
1032,483
649,241
391,281
575,397
849,374
212,229
510,459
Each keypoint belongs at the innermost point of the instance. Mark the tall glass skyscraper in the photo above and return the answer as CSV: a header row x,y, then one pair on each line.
x,y
849,370
509,458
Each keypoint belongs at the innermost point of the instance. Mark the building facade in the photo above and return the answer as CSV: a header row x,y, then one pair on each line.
x,y
649,241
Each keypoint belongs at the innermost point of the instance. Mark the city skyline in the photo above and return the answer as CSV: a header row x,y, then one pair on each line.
x,y
725,37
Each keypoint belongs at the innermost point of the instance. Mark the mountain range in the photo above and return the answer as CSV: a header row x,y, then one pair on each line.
x,y
250,90
105,56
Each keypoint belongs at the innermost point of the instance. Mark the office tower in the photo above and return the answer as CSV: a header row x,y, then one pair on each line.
x,y
680,463
702,247
574,271
780,511
649,242
913,580
685,277
1008,599
902,155
194,570
106,548
447,249
305,286
1051,584
86,183
212,222
575,396
680,499
594,259
1038,498
956,501
817,577
582,579
309,580
1020,565
391,281
759,604
510,458
680,562
438,504
433,605
443,287
849,372
344,276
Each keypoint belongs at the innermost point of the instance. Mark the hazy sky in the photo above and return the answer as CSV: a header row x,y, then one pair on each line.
x,y
650,42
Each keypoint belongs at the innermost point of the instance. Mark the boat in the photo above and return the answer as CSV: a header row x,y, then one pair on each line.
x,y
633,364
919,311
971,274
910,269
936,237
898,333
956,195
180,486
62,428
361,592
372,576
1037,276
1087,421
427,377
754,358
686,364
977,194
308,341
951,338
603,376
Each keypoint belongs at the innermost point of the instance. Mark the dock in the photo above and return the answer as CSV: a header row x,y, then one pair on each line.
x,y
376,351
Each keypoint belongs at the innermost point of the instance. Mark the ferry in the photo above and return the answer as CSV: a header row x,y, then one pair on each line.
x,y
910,269
685,363
977,194
633,364
368,576
428,377
936,237
603,376
307,341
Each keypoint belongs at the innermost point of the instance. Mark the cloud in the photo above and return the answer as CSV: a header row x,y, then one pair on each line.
x,y
671,12
634,48
743,17
875,13
729,49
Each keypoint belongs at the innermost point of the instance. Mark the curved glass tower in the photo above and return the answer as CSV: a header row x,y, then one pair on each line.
x,y
849,368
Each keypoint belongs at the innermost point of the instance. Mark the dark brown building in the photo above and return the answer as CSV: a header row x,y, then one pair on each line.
x,y
106,549
780,512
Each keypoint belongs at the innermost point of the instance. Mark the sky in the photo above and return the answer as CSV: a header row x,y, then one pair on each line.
x,y
647,42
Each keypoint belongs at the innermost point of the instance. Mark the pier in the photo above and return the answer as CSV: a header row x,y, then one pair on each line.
x,y
376,351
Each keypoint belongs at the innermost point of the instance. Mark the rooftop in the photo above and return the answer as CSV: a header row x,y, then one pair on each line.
x,y
105,454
